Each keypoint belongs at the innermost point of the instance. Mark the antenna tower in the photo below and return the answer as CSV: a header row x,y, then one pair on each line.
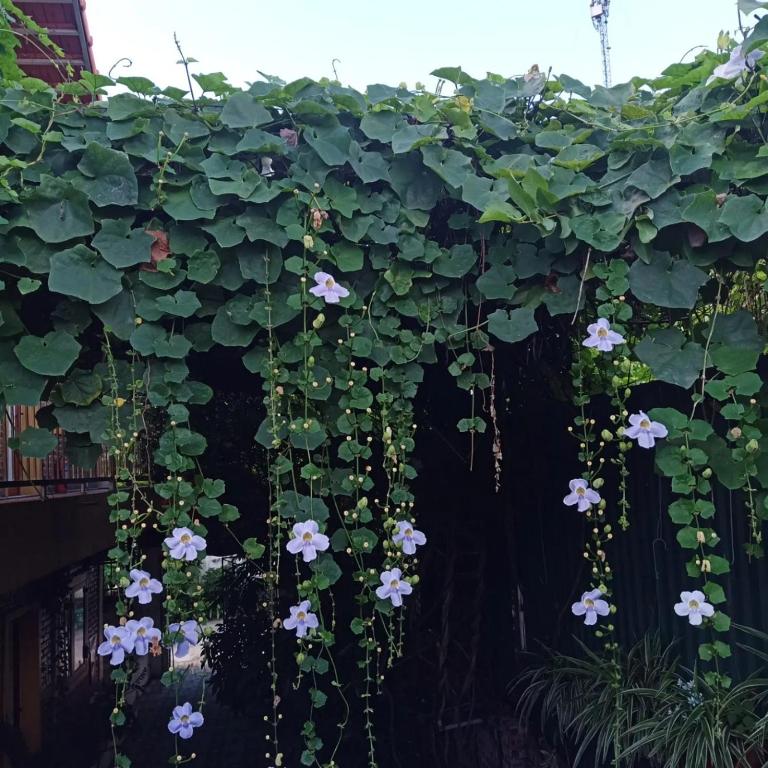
x,y
598,10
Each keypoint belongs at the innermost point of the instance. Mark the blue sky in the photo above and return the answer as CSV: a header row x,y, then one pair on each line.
x,y
397,40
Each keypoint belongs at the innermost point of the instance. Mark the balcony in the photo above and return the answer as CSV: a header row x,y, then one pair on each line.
x,y
25,479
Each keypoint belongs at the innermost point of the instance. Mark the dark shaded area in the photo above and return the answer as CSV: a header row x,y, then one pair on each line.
x,y
497,578
499,573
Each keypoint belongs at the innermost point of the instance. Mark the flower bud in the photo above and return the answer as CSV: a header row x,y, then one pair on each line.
x,y
707,473
606,435
317,323
706,566
700,537
598,482
308,241
735,433
752,446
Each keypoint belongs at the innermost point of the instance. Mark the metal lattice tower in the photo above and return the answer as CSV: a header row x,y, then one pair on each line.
x,y
598,10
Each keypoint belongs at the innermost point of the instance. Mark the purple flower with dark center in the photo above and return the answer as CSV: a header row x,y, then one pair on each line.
x,y
581,495
736,64
301,619
601,336
590,607
408,537
393,587
307,540
143,586
184,721
119,641
184,545
644,430
184,635
328,289
694,605
144,632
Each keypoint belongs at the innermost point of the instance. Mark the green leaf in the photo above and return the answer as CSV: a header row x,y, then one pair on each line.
x,y
451,166
179,304
577,157
58,212
670,357
81,387
498,282
242,110
203,266
348,257
745,217
666,282
34,443
331,144
455,262
109,176
253,548
27,285
18,386
122,246
50,355
326,567
512,326
81,273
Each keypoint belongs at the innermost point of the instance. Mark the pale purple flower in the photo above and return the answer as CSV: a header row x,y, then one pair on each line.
x,y
119,641
143,586
601,336
735,65
301,619
290,136
143,632
328,289
183,636
184,545
183,721
393,587
591,606
409,537
307,540
644,430
694,605
581,495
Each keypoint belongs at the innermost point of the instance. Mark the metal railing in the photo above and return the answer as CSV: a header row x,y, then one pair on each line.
x,y
23,478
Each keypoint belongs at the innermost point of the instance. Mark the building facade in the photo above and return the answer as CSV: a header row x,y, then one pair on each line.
x,y
54,535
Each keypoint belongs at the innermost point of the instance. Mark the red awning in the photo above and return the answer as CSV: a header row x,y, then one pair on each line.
x,y
67,26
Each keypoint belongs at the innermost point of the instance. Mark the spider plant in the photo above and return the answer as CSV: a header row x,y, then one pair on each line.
x,y
695,725
594,703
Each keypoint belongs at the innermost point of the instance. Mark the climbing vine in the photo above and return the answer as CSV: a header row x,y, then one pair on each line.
x,y
341,242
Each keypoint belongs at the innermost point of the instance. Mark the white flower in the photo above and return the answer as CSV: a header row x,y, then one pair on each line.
x,y
694,605
392,587
591,606
735,65
409,537
142,586
328,289
307,540
301,619
581,495
601,336
644,430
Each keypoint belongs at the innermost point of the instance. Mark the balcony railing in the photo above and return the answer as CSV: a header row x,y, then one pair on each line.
x,y
23,478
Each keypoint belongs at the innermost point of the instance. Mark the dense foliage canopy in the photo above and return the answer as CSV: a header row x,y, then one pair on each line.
x,y
143,229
